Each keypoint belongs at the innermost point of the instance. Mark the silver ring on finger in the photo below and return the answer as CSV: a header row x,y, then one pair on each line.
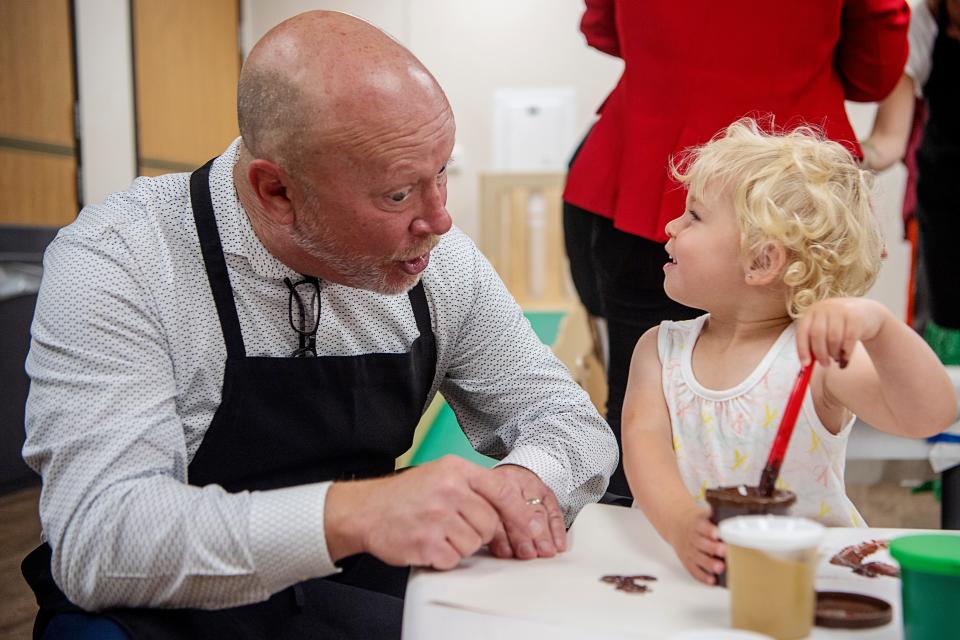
x,y
534,501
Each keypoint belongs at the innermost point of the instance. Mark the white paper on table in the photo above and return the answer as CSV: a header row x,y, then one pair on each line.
x,y
567,590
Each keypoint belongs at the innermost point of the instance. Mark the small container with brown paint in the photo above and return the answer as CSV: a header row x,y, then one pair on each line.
x,y
741,500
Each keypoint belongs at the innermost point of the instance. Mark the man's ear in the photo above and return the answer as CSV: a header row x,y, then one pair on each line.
x,y
270,185
767,264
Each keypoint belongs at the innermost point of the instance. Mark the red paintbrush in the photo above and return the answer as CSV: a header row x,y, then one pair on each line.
x,y
770,472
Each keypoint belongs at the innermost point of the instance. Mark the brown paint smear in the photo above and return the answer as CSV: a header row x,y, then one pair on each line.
x,y
630,584
854,555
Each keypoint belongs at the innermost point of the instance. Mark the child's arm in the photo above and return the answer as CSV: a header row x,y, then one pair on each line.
x,y
651,468
893,381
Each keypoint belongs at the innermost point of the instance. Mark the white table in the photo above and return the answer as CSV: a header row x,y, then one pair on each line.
x,y
563,597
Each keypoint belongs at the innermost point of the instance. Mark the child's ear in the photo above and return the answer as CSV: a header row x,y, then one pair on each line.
x,y
767,265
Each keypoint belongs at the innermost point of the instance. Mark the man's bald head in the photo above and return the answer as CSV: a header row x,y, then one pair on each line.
x,y
324,78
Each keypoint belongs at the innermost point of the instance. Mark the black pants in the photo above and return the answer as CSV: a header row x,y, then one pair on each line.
x,y
618,276
939,230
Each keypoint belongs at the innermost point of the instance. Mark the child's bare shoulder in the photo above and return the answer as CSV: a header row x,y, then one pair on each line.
x,y
648,342
646,352
663,338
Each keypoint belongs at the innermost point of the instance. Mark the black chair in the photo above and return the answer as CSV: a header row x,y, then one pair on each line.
x,y
21,252
616,500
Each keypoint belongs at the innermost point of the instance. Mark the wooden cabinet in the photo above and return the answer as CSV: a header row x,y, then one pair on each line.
x,y
38,159
186,65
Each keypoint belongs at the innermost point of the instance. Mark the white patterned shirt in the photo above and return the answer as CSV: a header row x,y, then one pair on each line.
x,y
723,437
922,36
127,362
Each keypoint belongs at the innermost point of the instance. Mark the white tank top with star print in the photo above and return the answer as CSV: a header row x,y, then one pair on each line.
x,y
723,437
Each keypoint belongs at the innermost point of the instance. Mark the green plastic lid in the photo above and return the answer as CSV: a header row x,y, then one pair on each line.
x,y
930,553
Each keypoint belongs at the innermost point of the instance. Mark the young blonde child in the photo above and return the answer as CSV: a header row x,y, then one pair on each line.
x,y
777,240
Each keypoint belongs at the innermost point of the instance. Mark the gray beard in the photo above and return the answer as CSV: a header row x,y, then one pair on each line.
x,y
356,270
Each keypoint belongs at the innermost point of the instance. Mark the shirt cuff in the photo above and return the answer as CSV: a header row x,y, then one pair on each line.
x,y
548,469
287,537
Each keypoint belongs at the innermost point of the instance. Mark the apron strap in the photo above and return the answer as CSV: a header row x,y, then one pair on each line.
x,y
421,311
213,260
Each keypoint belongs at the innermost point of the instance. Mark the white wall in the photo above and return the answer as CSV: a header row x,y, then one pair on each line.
x,y
474,48
105,88
259,16
891,286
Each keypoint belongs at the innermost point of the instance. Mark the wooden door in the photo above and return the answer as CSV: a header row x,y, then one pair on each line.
x,y
38,158
186,65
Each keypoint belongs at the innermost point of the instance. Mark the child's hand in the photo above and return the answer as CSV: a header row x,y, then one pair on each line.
x,y
829,330
697,544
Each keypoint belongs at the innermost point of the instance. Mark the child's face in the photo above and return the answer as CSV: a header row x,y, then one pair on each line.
x,y
706,266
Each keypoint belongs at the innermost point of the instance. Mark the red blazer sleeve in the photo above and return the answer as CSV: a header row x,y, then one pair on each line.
x,y
599,25
873,47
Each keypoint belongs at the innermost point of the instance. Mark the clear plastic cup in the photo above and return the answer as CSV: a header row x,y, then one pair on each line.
x,y
771,563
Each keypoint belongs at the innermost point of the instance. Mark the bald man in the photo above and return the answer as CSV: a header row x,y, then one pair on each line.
x,y
225,365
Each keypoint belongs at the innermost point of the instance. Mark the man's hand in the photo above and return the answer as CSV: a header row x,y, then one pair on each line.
x,y
438,513
532,521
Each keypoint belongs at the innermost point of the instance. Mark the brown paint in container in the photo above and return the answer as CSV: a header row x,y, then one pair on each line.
x,y
741,500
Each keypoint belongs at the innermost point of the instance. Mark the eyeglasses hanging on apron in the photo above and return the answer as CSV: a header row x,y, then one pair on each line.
x,y
304,310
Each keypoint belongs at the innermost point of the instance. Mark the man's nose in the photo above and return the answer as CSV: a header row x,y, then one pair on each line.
x,y
434,219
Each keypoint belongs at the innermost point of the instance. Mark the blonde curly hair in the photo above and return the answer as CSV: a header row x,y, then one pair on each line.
x,y
801,191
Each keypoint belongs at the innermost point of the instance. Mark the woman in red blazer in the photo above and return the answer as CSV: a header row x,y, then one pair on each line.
x,y
690,69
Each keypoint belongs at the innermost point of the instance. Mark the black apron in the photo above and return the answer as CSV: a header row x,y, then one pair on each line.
x,y
284,422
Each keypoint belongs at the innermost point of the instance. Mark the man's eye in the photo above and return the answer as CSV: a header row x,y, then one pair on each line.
x,y
399,196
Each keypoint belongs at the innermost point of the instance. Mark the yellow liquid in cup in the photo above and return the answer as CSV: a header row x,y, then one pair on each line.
x,y
772,592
